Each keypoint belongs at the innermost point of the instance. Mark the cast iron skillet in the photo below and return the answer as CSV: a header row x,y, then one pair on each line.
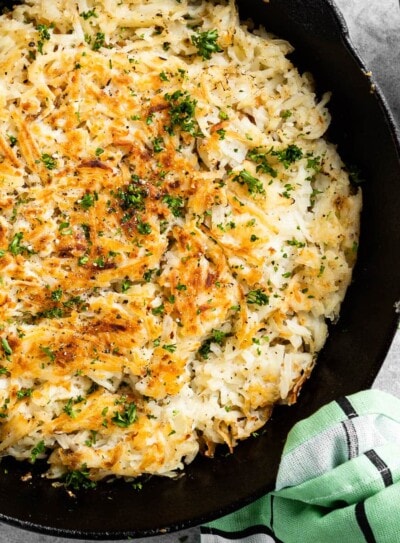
x,y
353,354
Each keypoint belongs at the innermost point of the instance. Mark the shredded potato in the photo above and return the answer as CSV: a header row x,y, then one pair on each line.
x,y
175,232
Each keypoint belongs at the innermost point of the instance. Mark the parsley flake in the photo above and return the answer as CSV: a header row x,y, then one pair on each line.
x,y
48,161
254,185
206,43
182,113
78,479
125,418
176,204
287,156
39,448
257,297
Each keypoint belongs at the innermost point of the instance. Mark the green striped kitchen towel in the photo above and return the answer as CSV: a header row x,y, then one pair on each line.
x,y
338,480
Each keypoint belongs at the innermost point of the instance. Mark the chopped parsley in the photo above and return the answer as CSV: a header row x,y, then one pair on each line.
x,y
176,204
144,228
83,260
88,200
99,262
15,246
126,285
286,113
6,346
295,243
287,191
181,287
24,393
287,156
206,43
260,158
88,14
99,41
158,145
163,76
125,418
44,36
48,161
313,194
68,406
314,163
65,229
56,295
13,140
159,310
39,448
78,479
148,274
218,336
51,313
92,439
182,110
133,196
257,297
171,348
254,185
48,352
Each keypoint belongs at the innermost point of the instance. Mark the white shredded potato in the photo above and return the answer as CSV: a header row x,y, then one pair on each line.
x,y
175,231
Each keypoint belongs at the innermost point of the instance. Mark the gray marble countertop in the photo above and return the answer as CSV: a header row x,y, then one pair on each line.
x,y
374,27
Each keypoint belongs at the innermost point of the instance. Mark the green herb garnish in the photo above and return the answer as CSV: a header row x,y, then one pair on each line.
x,y
206,43
171,348
254,185
257,297
88,200
134,195
39,448
6,346
176,204
158,145
24,393
125,418
182,111
88,14
78,479
287,156
48,161
44,35
144,228
15,246
260,158
99,41
218,336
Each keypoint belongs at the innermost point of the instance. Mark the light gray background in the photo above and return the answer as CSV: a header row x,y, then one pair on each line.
x,y
375,30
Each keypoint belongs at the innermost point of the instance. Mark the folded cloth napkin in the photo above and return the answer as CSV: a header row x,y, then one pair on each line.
x,y
338,480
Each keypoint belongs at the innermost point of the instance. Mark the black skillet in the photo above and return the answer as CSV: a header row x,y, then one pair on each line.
x,y
355,350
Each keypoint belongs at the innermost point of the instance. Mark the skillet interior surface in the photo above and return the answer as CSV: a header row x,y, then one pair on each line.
x,y
354,352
